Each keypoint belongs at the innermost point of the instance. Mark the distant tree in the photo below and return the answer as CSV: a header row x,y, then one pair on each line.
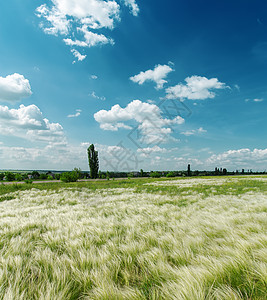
x,y
43,176
18,177
57,176
170,174
188,170
142,173
130,175
9,176
101,175
2,175
224,171
196,173
35,174
69,176
79,173
93,161
50,175
155,174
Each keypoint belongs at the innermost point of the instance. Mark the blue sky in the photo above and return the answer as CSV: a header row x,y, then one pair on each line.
x,y
153,84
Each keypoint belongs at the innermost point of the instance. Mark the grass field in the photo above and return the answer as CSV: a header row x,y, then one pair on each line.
x,y
193,238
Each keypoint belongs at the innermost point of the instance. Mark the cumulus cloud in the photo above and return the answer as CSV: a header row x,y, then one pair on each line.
x,y
77,114
94,77
63,13
28,122
55,18
158,75
78,55
146,152
91,39
155,149
241,158
133,6
196,88
55,156
194,131
14,87
75,18
151,124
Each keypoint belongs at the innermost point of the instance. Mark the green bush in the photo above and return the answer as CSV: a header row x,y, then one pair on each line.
x,y
18,177
130,175
28,181
170,174
57,176
35,174
78,172
10,176
155,175
72,176
43,176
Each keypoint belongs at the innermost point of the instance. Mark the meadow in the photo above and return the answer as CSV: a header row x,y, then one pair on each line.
x,y
186,238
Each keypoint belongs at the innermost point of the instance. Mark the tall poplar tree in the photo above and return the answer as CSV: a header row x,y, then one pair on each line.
x,y
93,161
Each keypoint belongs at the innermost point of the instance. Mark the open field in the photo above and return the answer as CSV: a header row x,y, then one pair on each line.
x,y
193,238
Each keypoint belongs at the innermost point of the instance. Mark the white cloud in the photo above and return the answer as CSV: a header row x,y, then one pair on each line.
x,y
28,122
77,114
94,77
53,156
14,87
94,13
201,130
111,127
91,39
240,159
255,100
133,6
36,69
194,131
73,18
78,55
196,88
157,75
94,95
152,126
146,152
155,149
57,20
237,87
181,163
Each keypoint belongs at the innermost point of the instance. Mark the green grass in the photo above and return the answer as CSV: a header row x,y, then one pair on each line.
x,y
230,187
135,239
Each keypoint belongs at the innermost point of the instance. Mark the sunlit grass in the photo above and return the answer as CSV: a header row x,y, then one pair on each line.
x,y
130,240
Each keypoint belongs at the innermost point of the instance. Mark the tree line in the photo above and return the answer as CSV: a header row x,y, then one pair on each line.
x,y
94,173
